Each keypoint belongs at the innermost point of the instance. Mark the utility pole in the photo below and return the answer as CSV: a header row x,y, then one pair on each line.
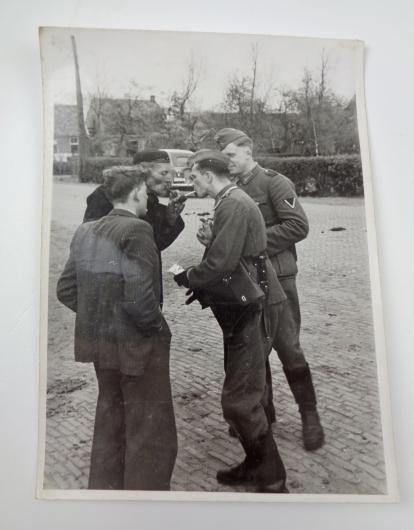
x,y
83,137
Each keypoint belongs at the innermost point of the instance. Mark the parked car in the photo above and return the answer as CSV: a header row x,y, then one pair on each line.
x,y
178,159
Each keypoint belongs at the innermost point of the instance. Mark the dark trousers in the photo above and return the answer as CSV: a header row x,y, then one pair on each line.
x,y
247,333
286,341
135,438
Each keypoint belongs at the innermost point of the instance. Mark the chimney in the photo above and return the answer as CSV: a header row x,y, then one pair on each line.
x,y
152,99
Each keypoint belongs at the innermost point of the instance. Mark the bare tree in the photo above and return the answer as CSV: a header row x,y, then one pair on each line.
x,y
322,88
246,97
122,121
181,98
255,55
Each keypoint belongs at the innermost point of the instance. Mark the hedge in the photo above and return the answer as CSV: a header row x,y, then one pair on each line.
x,y
320,176
95,166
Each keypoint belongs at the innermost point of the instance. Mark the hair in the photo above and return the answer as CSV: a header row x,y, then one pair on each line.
x,y
217,167
119,181
244,142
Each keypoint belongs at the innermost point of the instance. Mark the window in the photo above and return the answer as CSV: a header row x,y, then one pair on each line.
x,y
74,145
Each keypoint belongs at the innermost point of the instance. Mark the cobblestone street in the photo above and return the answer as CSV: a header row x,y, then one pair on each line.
x,y
337,336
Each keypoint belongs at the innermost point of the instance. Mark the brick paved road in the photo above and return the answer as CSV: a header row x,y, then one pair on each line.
x,y
337,335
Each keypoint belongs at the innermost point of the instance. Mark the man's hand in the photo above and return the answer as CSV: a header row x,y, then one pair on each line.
x,y
205,233
191,297
174,207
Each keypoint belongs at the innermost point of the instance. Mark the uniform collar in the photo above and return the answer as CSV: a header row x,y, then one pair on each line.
x,y
245,179
222,192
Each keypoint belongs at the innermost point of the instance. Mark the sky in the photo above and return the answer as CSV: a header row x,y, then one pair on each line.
x,y
156,63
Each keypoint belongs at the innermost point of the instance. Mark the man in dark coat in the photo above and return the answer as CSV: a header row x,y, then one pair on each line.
x,y
286,224
165,220
239,241
111,281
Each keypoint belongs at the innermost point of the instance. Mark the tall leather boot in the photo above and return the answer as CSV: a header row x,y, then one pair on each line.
x,y
268,474
262,468
300,382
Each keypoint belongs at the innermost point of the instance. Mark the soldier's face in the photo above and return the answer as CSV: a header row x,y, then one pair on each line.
x,y
240,158
160,180
199,181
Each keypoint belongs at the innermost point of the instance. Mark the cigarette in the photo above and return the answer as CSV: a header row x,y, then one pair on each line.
x,y
184,197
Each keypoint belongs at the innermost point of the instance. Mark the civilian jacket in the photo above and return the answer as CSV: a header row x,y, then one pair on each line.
x,y
285,220
111,281
99,205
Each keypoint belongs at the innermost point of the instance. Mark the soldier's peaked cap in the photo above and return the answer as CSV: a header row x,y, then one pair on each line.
x,y
151,155
207,154
227,136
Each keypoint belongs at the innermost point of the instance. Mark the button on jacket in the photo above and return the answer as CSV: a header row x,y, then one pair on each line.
x,y
111,280
285,220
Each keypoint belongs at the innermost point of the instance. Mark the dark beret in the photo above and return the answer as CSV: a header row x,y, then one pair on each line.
x,y
207,154
227,136
150,155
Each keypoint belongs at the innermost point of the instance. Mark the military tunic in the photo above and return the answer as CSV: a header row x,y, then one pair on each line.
x,y
286,224
239,232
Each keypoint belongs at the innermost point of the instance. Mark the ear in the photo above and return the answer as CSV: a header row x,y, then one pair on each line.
x,y
209,176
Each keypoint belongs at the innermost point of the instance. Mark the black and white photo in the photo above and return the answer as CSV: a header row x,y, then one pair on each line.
x,y
211,310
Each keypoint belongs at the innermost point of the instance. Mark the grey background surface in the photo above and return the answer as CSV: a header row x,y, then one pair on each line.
x,y
386,27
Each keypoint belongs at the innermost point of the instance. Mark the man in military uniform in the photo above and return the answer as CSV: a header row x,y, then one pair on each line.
x,y
286,224
239,240
111,281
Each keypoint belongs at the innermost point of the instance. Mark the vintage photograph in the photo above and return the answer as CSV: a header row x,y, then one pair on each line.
x,y
211,315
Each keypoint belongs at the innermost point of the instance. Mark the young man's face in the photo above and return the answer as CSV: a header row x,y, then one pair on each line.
x,y
140,200
240,156
160,180
199,181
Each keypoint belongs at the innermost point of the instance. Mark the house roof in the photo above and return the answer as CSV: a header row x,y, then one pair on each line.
x,y
66,120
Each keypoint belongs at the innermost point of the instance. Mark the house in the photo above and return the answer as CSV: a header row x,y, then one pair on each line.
x,y
66,134
121,127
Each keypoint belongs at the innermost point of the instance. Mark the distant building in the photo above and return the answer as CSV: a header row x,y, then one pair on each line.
x,y
121,127
66,135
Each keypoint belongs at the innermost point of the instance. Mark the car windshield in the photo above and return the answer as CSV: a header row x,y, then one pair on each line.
x,y
179,160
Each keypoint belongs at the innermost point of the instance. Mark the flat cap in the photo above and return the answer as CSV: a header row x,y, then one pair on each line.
x,y
207,154
151,155
227,136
